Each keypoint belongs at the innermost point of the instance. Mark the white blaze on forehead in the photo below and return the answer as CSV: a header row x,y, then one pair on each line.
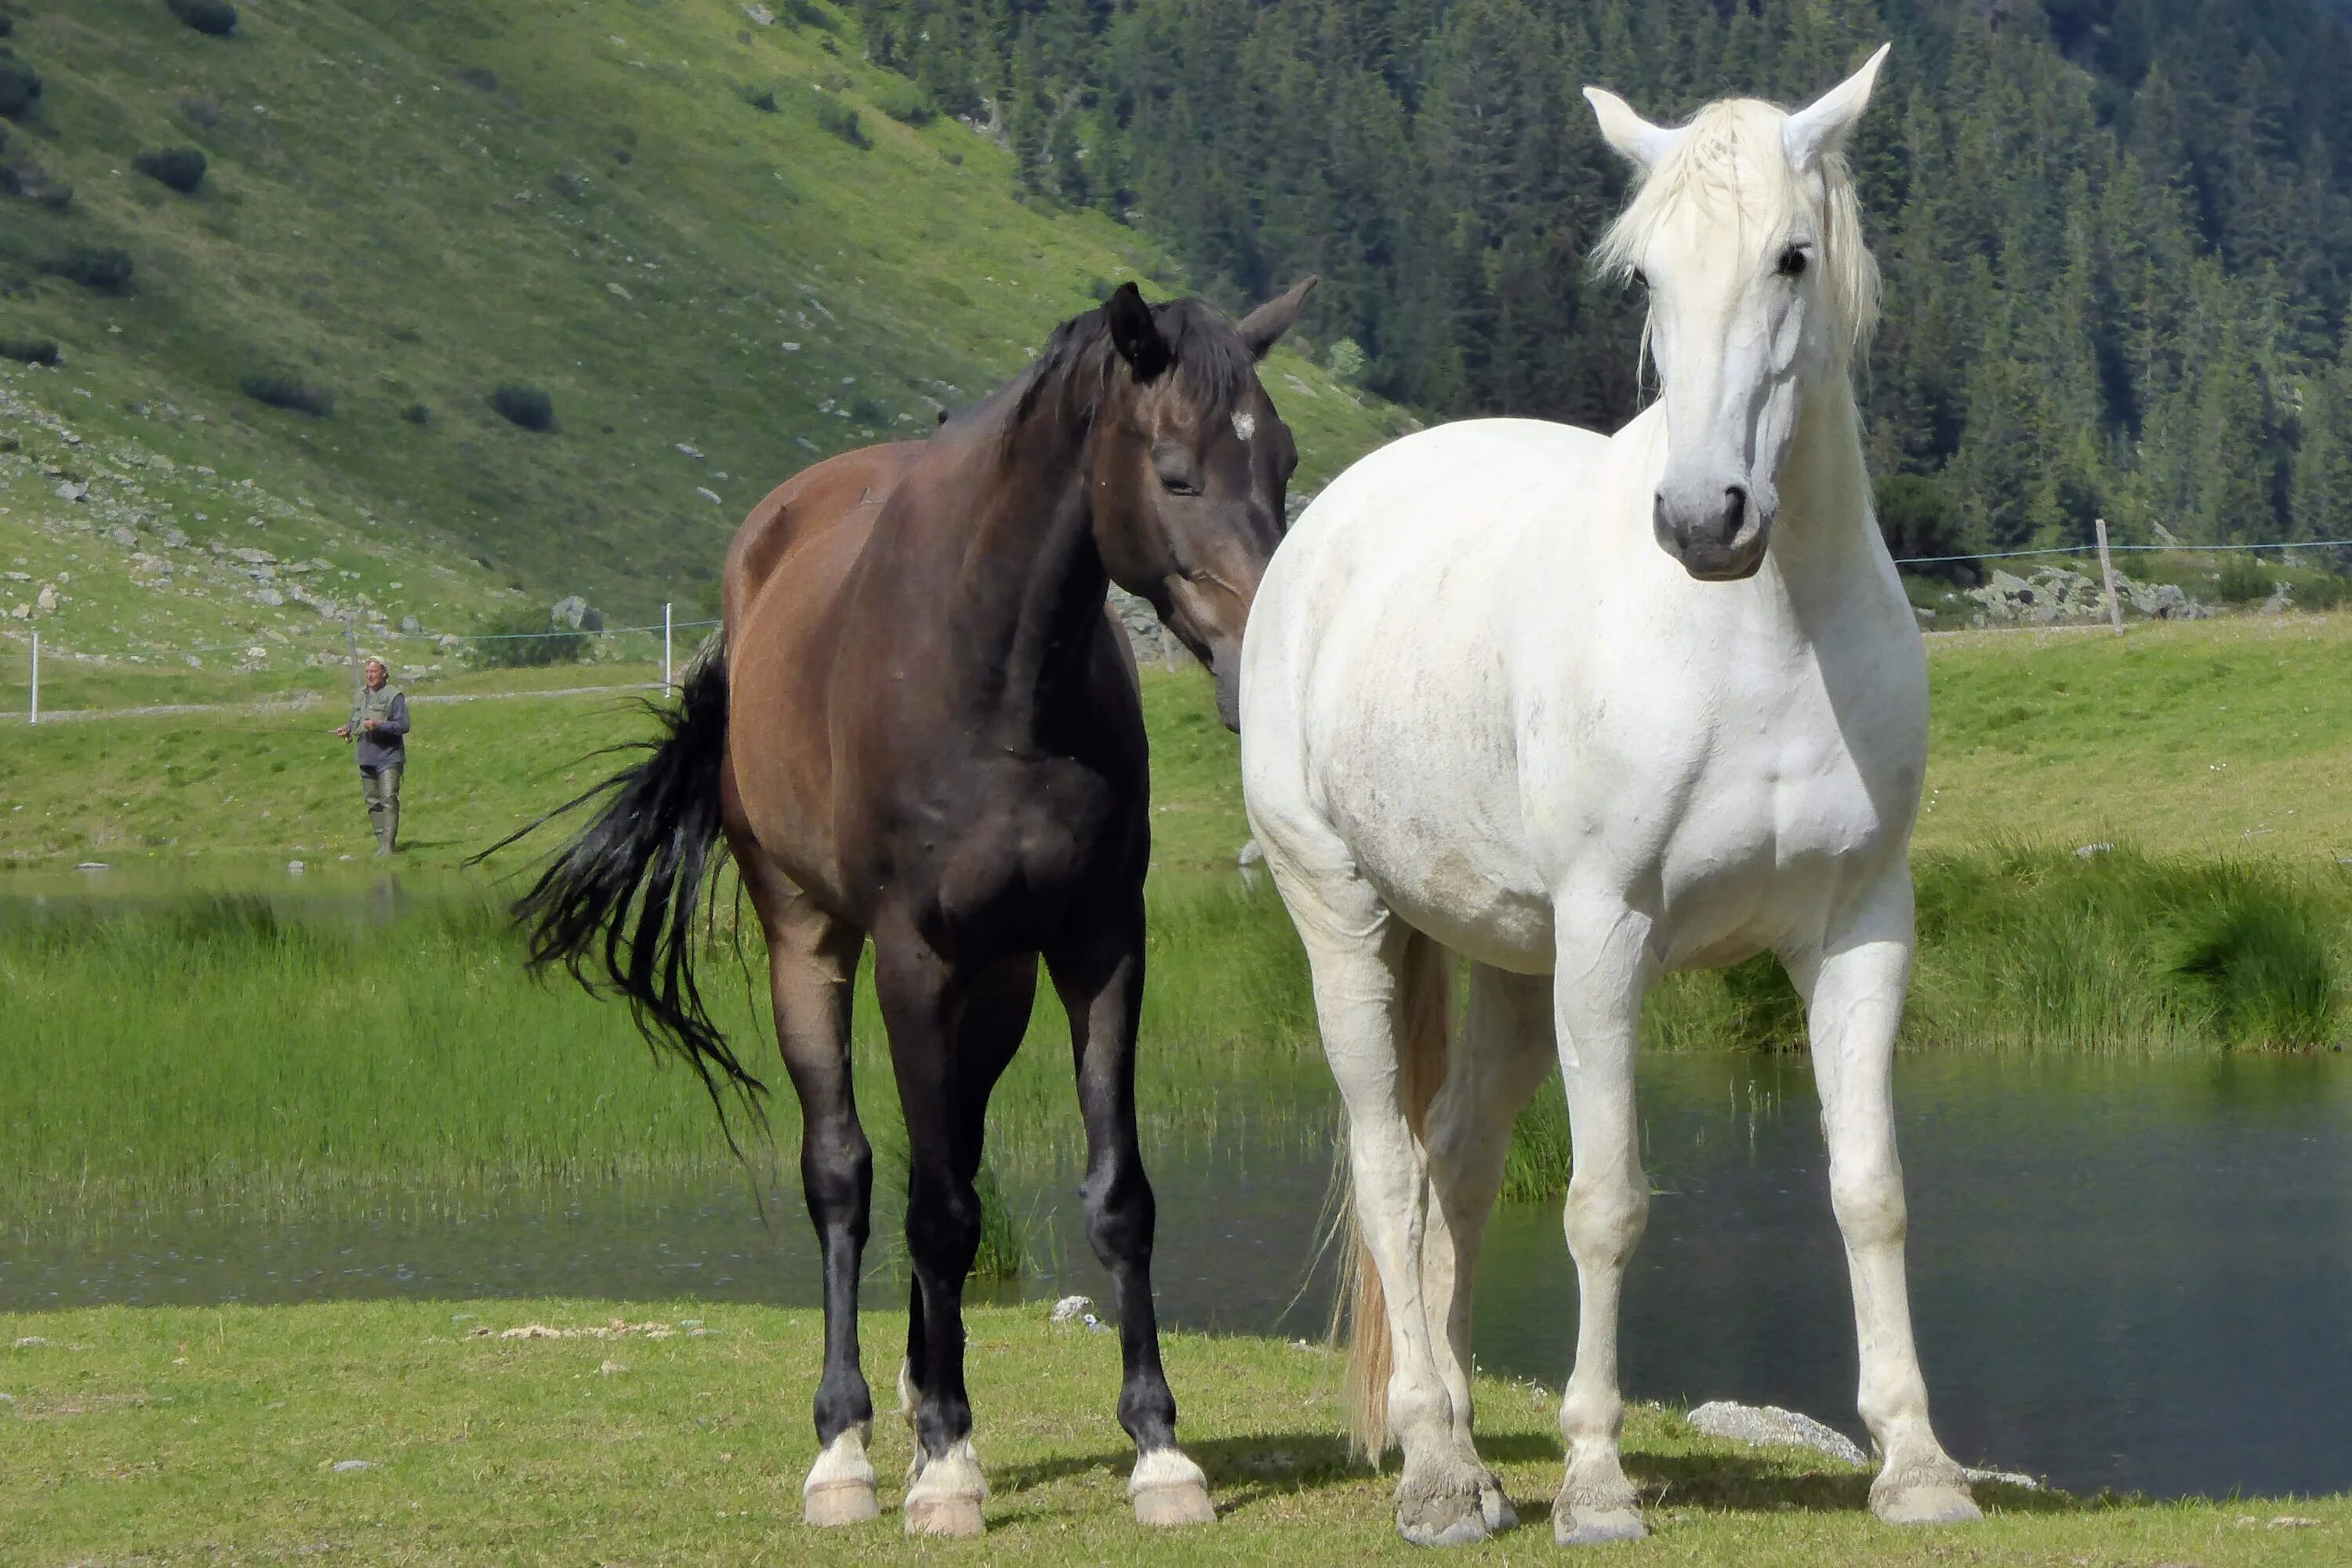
x,y
1244,425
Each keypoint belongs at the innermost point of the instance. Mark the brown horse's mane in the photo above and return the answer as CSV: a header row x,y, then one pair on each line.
x,y
1212,366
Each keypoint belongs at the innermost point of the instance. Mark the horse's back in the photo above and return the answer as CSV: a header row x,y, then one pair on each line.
x,y
834,500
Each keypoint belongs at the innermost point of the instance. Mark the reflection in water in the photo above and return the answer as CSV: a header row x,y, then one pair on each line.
x,y
2136,1276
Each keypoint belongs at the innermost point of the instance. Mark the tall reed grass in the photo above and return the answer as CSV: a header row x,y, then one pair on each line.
x,y
240,1048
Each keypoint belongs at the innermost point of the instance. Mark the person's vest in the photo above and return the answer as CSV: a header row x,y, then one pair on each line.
x,y
376,749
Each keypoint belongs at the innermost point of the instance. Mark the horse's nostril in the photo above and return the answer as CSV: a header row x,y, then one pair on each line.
x,y
1735,509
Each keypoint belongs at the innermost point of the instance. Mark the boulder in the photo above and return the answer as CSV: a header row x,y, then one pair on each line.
x,y
568,612
1767,1426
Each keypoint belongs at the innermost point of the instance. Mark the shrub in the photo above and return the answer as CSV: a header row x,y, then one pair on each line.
x,y
2242,582
2322,592
843,121
763,98
102,267
20,89
181,168
526,638
417,414
289,392
905,102
217,17
527,406
7,23
1346,359
481,78
30,351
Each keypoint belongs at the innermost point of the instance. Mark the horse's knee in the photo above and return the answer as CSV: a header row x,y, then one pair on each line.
x,y
1121,1213
837,1178
1867,1198
943,1225
1605,1216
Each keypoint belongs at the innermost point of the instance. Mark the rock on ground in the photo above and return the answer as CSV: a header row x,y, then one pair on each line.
x,y
1761,1426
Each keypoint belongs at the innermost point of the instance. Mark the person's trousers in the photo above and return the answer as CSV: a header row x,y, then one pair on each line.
x,y
380,787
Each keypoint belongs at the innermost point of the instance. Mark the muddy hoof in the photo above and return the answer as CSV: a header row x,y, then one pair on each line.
x,y
840,1502
1928,1502
1449,1516
1596,1526
948,1516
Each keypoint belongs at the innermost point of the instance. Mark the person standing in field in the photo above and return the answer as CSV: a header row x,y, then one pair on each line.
x,y
379,723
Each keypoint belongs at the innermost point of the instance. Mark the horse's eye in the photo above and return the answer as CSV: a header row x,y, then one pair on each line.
x,y
1641,279
1792,262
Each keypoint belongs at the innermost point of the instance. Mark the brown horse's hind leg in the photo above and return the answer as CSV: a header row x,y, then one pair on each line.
x,y
812,966
1101,978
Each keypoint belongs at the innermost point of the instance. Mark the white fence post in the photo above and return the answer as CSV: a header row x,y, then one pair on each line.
x,y
665,647
2107,576
35,717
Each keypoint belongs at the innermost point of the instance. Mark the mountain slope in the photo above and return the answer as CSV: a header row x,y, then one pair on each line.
x,y
702,237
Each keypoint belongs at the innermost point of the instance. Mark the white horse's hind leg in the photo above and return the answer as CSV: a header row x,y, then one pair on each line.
x,y
1855,1003
1505,1052
1363,959
1597,999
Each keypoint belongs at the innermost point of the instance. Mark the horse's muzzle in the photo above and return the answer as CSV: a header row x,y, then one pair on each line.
x,y
1718,537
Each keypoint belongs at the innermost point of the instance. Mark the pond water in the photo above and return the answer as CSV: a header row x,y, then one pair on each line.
x,y
2130,1275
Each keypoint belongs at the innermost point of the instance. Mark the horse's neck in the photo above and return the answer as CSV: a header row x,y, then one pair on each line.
x,y
1825,536
1029,597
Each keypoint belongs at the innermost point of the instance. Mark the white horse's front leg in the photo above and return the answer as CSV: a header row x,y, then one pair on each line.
x,y
1597,1003
1854,1001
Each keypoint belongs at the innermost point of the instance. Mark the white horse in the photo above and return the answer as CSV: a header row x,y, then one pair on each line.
x,y
1580,711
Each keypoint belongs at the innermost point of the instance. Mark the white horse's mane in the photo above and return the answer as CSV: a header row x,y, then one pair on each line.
x,y
1733,162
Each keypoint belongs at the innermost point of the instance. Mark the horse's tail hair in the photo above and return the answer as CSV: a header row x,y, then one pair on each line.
x,y
1424,1045
617,905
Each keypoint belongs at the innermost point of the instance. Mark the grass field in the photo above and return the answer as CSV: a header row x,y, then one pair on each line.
x,y
2226,738
169,1436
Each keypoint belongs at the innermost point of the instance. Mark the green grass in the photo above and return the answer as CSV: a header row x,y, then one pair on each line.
x,y
2205,738
409,204
182,1435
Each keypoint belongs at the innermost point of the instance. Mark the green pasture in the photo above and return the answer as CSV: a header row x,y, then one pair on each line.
x,y
160,1435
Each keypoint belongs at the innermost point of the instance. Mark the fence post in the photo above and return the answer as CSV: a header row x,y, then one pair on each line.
x,y
359,682
2107,576
665,647
36,716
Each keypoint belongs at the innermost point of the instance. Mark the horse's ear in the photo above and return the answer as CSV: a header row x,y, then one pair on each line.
x,y
1262,327
1135,335
1643,145
1814,132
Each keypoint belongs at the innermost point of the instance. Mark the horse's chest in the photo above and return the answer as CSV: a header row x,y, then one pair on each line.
x,y
1014,857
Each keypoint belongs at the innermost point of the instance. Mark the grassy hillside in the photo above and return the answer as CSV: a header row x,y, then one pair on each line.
x,y
705,239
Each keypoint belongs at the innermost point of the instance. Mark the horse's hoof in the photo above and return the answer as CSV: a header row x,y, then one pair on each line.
x,y
1925,1503
840,1485
1495,1508
1596,1526
946,1516
946,1493
1170,1491
841,1502
1443,1515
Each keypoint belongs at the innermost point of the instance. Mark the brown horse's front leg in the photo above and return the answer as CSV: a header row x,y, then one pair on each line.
x,y
921,997
1099,975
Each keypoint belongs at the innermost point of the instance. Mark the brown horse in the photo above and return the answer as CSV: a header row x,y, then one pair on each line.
x,y
921,728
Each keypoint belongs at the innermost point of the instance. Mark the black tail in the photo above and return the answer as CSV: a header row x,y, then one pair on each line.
x,y
616,906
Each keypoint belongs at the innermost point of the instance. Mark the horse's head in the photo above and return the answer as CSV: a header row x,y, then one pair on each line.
x,y
1745,232
1188,468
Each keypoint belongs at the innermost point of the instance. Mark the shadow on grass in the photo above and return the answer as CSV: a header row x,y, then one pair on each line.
x,y
1244,1471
